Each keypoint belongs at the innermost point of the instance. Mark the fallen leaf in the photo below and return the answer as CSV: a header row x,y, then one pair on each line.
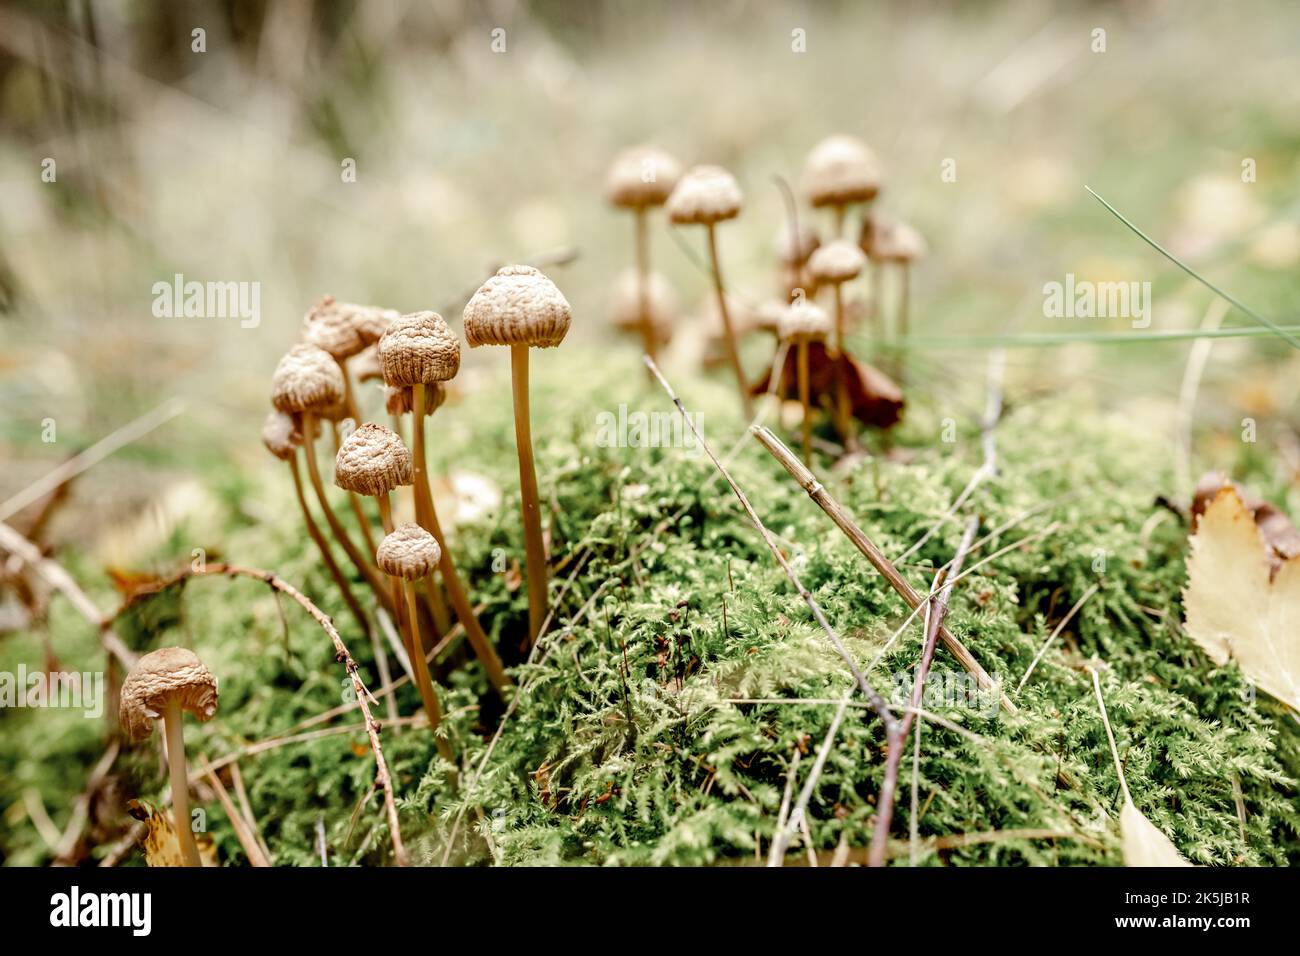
x,y
1281,538
161,848
1143,842
1236,607
873,396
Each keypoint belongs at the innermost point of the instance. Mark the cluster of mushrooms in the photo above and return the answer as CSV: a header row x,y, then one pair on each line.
x,y
841,175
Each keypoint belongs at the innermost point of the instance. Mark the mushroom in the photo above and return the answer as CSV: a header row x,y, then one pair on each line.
x,y
163,684
794,244
523,309
708,195
833,264
840,171
308,383
640,178
897,243
638,300
408,554
804,322
420,352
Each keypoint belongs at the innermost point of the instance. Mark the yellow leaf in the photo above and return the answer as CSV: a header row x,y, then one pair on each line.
x,y
1144,844
161,848
1233,611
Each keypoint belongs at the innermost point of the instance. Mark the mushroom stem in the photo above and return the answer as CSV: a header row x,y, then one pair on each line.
x,y
643,284
322,546
427,517
843,416
803,400
353,500
839,220
903,299
422,678
180,782
362,565
733,353
533,543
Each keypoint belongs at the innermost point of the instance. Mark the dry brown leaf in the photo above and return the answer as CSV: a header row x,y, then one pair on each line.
x,y
160,845
1144,844
1235,607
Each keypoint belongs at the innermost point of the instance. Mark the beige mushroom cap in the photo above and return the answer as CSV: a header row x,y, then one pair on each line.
x,y
409,552
400,401
372,461
793,248
343,328
706,194
280,435
898,243
418,349
838,261
306,380
662,305
840,170
642,176
805,321
517,306
169,673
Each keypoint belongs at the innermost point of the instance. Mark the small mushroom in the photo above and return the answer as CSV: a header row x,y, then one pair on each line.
x,y
833,264
706,196
308,383
162,685
419,352
804,322
898,244
839,172
636,301
410,554
523,309
641,178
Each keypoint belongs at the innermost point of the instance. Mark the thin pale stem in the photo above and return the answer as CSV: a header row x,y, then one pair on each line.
x,y
422,679
427,516
327,556
843,415
643,283
535,547
180,781
806,430
729,333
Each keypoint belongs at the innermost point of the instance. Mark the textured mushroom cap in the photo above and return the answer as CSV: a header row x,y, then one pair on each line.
x,y
167,673
306,380
372,461
706,194
642,176
793,249
898,243
838,261
343,328
280,435
840,170
400,401
409,552
517,306
418,349
662,306
804,320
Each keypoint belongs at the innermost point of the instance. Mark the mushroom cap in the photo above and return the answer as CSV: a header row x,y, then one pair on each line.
x,y
899,242
806,321
642,176
706,194
838,261
793,248
307,380
343,328
400,401
409,552
418,349
167,673
517,306
662,306
840,170
366,365
372,461
280,434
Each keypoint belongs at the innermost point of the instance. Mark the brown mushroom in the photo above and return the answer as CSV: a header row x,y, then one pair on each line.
x,y
637,300
708,195
162,685
804,322
840,171
521,308
410,554
420,352
640,178
834,264
898,244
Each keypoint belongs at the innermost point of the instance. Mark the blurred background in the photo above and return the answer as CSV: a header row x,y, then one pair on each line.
x,y
394,152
